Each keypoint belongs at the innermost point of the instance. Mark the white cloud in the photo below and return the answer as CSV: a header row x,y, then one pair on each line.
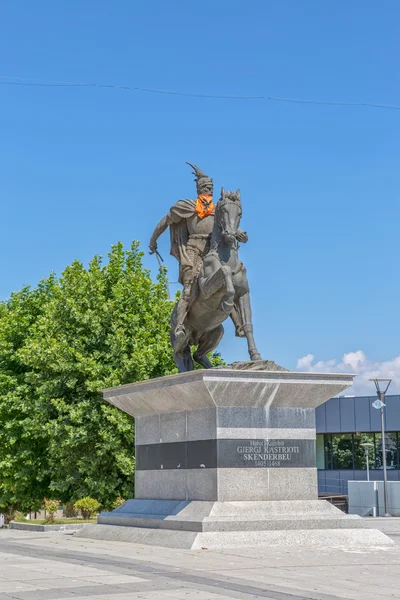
x,y
356,362
305,363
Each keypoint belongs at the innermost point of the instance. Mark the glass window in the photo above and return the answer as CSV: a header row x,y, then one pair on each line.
x,y
328,451
360,459
320,451
342,449
392,461
345,450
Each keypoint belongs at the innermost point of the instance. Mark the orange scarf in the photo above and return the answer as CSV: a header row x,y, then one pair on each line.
x,y
204,205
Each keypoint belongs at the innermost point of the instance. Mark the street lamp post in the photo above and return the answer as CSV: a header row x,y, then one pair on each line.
x,y
367,447
380,404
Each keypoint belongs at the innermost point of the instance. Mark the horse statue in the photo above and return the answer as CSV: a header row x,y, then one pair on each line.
x,y
220,288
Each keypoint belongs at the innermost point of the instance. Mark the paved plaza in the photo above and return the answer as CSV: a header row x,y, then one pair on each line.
x,y
56,566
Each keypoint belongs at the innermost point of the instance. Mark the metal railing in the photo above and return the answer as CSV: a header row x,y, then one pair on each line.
x,y
334,486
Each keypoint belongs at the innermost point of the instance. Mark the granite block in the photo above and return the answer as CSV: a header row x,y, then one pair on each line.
x,y
188,484
287,509
201,424
132,404
265,454
202,484
279,524
147,506
197,454
173,455
351,538
266,433
147,430
260,417
173,427
146,485
267,484
292,417
169,484
293,484
323,538
154,523
226,388
165,400
140,535
148,457
243,484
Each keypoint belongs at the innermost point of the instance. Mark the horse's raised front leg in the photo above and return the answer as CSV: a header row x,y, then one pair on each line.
x,y
211,284
245,310
215,276
227,300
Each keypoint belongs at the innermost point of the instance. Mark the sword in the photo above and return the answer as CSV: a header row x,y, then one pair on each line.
x,y
160,260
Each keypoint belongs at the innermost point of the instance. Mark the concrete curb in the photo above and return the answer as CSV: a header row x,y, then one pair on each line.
x,y
35,527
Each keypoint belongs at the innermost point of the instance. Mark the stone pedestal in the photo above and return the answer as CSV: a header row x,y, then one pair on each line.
x,y
226,457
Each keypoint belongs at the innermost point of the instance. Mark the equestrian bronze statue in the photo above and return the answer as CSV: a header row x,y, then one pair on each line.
x,y
205,240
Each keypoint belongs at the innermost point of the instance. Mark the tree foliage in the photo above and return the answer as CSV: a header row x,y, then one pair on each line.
x,y
60,344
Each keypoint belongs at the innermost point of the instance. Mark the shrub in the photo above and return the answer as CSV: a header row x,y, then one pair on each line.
x,y
51,507
118,501
88,507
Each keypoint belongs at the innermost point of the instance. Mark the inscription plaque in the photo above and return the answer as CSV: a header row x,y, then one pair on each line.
x,y
211,454
266,453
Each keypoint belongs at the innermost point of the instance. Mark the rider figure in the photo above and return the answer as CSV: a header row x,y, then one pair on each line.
x,y
191,223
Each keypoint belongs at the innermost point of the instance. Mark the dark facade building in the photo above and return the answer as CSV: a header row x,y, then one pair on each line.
x,y
343,424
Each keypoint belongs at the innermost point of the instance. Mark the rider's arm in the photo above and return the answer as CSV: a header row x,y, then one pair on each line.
x,y
160,228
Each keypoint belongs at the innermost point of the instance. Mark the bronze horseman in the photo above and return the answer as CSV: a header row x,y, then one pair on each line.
x,y
214,289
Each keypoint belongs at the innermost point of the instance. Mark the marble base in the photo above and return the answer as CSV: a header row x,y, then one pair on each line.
x,y
186,524
237,434
226,458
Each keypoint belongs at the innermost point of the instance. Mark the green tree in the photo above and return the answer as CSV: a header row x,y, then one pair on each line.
x,y
60,344
24,478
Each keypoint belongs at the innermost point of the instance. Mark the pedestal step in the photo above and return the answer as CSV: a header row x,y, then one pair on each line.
x,y
231,525
244,539
185,524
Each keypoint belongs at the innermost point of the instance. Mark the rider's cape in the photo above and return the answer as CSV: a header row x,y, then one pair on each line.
x,y
178,214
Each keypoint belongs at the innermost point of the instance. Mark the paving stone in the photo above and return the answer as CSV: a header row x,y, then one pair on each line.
x,y
52,594
110,579
122,571
19,586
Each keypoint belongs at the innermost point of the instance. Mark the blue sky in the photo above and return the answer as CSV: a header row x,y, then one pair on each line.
x,y
85,167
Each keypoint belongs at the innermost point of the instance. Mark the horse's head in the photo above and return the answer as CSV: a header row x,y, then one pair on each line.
x,y
228,215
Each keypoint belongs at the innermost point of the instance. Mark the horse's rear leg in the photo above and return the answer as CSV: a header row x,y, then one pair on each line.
x,y
208,341
182,353
183,360
245,310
